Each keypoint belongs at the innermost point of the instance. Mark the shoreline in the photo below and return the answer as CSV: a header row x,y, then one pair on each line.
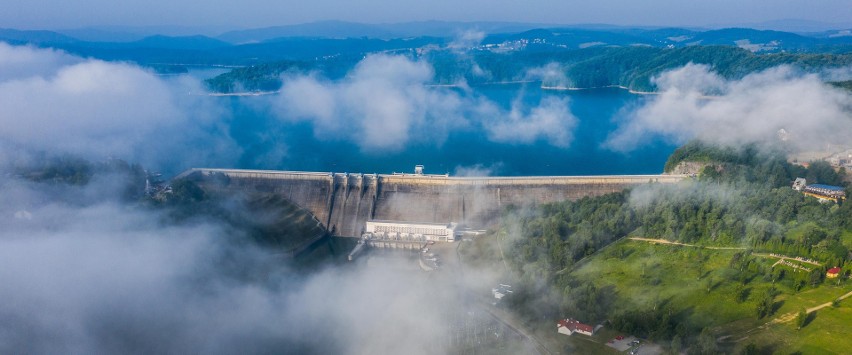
x,y
543,87
565,88
243,93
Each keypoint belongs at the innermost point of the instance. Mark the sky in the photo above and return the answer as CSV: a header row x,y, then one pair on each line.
x,y
220,14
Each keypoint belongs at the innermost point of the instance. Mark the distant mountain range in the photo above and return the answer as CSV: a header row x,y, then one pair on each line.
x,y
746,38
333,47
343,29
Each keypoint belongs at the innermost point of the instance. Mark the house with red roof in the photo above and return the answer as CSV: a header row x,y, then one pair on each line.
x,y
833,272
570,326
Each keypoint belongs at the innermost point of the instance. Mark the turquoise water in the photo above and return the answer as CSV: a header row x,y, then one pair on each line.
x,y
261,136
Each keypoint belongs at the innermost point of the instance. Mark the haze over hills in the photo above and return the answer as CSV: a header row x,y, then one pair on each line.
x,y
330,38
342,29
345,29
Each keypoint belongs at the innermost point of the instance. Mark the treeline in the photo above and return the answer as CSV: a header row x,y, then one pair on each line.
x,y
634,67
263,77
72,170
267,219
843,84
630,67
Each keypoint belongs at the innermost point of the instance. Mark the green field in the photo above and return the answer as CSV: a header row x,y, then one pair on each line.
x,y
645,276
825,333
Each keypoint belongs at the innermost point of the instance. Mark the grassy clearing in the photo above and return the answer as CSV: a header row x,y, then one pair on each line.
x,y
646,275
825,333
643,275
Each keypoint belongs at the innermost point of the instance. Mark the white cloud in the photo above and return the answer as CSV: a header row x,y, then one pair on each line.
x,y
387,102
97,276
62,104
837,74
550,75
19,62
382,104
478,170
551,121
466,39
750,110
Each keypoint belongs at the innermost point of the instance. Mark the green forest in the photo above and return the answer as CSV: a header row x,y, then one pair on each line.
x,y
741,203
630,67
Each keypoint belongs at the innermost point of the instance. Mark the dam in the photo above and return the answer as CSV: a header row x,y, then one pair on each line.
x,y
344,202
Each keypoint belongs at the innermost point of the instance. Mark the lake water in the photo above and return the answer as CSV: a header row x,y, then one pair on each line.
x,y
262,135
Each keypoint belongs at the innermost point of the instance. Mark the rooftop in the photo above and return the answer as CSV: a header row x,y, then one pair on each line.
x,y
826,187
574,324
451,224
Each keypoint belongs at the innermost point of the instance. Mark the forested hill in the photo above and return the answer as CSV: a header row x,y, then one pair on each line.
x,y
743,198
843,84
730,224
630,67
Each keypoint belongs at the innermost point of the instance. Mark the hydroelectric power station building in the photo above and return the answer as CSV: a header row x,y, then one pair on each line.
x,y
395,230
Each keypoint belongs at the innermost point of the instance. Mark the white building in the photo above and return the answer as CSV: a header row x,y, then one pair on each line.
x,y
411,230
799,184
570,326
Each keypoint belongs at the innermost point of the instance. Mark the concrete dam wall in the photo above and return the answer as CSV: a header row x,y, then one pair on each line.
x,y
344,202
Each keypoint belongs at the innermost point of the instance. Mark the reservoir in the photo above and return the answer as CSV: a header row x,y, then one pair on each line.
x,y
270,143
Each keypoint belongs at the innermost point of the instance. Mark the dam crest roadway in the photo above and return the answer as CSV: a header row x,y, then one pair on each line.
x,y
344,202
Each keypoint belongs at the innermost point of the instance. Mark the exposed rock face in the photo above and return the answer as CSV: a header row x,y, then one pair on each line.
x,y
688,168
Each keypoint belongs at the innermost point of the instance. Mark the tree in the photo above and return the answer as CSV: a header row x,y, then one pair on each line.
x,y
740,293
185,191
677,345
815,277
801,318
706,344
709,173
765,306
760,309
750,349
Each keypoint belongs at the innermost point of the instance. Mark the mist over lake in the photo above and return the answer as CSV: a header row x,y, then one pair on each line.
x,y
464,151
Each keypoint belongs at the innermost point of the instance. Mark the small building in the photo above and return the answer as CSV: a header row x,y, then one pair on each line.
x,y
570,326
800,184
833,273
